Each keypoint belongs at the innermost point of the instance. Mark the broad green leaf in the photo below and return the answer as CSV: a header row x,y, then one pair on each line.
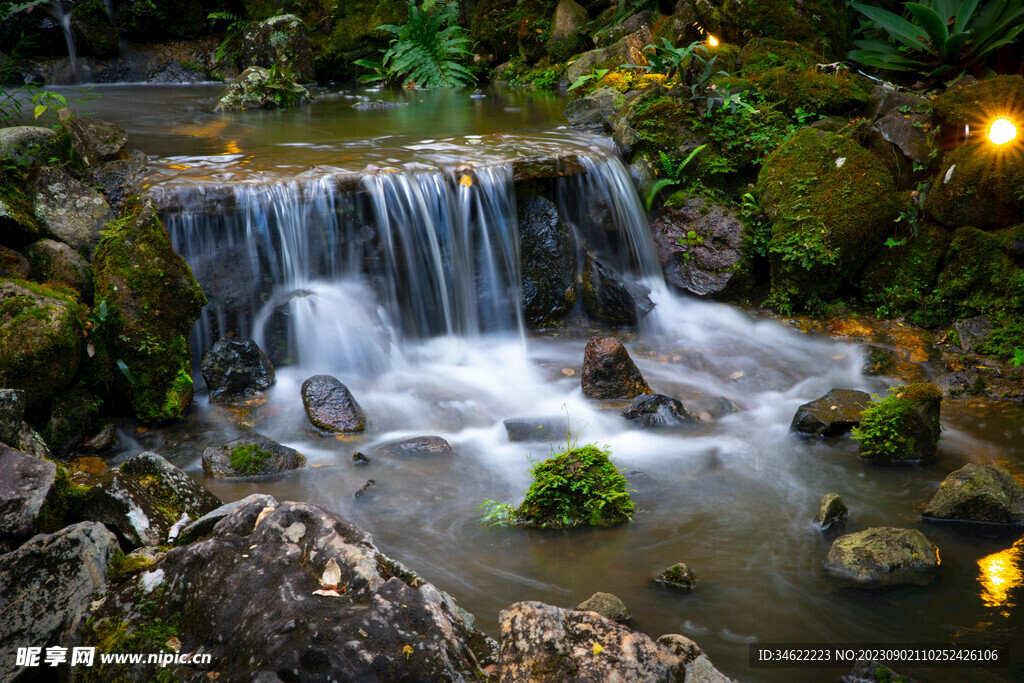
x,y
936,28
964,14
895,25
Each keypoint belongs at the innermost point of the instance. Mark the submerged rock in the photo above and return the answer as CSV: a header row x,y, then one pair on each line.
x,y
658,410
45,586
251,455
330,405
415,445
978,493
609,372
607,605
548,644
883,556
902,427
678,576
236,369
835,413
831,511
537,429
320,602
548,255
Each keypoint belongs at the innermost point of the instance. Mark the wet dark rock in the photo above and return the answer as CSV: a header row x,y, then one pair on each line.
x,y
415,446
609,372
548,256
607,605
378,105
978,493
972,332
40,340
705,262
320,602
101,441
883,556
70,210
878,360
122,178
251,455
204,525
831,511
45,586
12,412
953,383
536,429
73,419
13,264
360,459
835,413
366,488
28,495
173,72
596,109
144,497
106,140
905,132
547,644
330,405
658,410
678,576
1016,250
29,441
236,369
57,263
712,407
279,41
883,100
29,146
609,298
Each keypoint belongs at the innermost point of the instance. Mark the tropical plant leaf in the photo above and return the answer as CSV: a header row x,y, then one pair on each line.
x,y
895,25
936,28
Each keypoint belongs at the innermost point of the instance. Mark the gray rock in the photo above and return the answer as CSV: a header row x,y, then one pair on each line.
x,y
319,601
706,262
643,174
205,524
547,644
121,178
551,430
236,369
609,372
883,556
610,298
279,41
95,140
953,383
176,490
28,492
330,406
607,605
681,646
905,132
256,456
174,71
978,493
57,263
416,445
678,576
627,50
632,24
12,412
70,210
45,586
29,146
548,257
835,413
883,100
625,138
658,410
596,109
972,332
29,441
566,35
831,510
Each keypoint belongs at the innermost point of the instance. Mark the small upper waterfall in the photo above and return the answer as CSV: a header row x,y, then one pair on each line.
x,y
339,270
63,17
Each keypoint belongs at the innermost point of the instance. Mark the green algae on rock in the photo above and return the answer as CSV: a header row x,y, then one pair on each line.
x,y
978,493
883,556
902,427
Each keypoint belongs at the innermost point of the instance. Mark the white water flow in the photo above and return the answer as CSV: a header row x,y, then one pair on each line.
x,y
63,17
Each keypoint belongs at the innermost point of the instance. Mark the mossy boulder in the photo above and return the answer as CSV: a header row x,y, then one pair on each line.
x,y
831,202
55,263
28,147
259,88
580,487
976,104
174,490
567,36
678,576
153,301
94,35
834,414
883,556
607,605
902,427
74,417
901,278
628,50
40,339
831,511
251,455
978,493
280,40
18,223
979,185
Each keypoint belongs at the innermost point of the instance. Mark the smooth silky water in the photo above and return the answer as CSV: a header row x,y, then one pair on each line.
x,y
405,286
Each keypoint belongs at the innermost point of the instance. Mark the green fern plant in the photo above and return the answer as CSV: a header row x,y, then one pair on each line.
x,y
424,49
673,171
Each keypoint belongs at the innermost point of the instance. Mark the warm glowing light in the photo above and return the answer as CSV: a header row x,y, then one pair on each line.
x,y
1002,130
1000,575
712,41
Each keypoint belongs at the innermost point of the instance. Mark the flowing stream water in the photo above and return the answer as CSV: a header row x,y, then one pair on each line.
x,y
382,247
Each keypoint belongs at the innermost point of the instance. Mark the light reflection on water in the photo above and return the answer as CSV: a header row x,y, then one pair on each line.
x,y
1001,575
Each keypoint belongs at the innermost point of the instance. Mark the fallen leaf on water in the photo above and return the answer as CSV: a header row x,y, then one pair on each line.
x,y
466,181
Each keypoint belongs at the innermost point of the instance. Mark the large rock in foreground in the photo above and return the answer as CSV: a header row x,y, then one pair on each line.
x,y
251,455
153,301
29,492
45,585
883,556
547,644
835,413
236,369
315,598
330,405
609,372
978,493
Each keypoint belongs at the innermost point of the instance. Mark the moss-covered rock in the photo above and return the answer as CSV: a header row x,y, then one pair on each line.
x,y
69,209
28,147
580,487
900,279
153,301
40,339
94,35
678,576
628,50
259,88
567,36
279,40
902,427
831,511
976,104
979,185
251,455
883,556
607,605
978,493
831,202
821,24
73,419
13,264
56,263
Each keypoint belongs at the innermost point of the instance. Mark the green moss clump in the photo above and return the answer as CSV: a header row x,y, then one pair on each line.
x,y
64,504
974,105
821,24
900,279
249,459
122,566
902,427
578,487
765,54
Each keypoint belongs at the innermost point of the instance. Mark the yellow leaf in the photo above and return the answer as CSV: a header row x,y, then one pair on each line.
x,y
466,181
598,649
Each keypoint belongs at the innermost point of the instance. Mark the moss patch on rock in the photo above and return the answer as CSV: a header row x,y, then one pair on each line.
x,y
821,24
973,105
902,427
248,459
900,279
979,185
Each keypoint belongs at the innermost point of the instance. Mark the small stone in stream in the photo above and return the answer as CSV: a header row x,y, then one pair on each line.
x,y
415,445
607,605
366,488
478,94
330,406
835,413
678,576
831,510
658,410
360,459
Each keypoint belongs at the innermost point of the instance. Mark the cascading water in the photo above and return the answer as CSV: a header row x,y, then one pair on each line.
x,y
63,17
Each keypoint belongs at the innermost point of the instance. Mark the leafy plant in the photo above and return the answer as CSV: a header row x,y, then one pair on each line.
x,y
668,59
1018,358
673,171
422,52
283,87
943,35
46,101
596,75
236,26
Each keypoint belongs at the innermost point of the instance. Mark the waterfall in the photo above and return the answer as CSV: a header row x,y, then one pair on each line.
x,y
63,17
339,271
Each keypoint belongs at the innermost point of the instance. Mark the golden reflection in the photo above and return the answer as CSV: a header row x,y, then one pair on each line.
x,y
1000,574
1002,130
232,148
208,129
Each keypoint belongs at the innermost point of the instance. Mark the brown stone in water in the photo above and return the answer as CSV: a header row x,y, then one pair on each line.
x,y
609,372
